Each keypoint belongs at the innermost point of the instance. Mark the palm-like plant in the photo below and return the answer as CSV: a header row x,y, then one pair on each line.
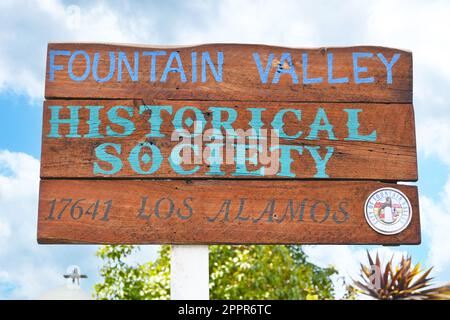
x,y
404,282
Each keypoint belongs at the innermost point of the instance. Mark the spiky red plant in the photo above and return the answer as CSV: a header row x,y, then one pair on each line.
x,y
404,282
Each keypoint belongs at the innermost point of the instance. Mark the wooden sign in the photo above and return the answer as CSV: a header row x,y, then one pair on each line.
x,y
228,144
229,72
209,211
111,138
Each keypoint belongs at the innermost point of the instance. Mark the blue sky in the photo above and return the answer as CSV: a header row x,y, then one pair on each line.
x,y
27,26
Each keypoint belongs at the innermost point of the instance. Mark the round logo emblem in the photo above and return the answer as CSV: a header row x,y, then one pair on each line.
x,y
388,211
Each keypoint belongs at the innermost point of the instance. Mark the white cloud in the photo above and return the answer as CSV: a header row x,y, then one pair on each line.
x,y
421,27
27,27
26,268
265,22
433,137
436,225
416,25
20,260
143,254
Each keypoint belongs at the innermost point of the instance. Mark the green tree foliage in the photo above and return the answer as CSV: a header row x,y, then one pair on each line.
x,y
126,282
266,272
236,272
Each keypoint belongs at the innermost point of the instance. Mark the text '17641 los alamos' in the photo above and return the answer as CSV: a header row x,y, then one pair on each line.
x,y
228,143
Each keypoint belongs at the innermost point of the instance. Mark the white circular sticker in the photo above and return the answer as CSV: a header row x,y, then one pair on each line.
x,y
388,211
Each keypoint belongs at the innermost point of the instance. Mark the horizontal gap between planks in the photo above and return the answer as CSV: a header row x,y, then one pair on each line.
x,y
262,179
227,100
52,241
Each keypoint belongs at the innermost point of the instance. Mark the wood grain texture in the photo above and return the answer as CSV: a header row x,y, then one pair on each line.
x,y
392,157
77,205
168,219
241,79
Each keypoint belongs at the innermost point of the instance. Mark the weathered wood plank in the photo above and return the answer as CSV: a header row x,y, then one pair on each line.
x,y
212,211
352,74
391,155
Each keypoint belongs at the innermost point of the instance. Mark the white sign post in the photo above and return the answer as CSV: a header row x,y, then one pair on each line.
x,y
189,272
